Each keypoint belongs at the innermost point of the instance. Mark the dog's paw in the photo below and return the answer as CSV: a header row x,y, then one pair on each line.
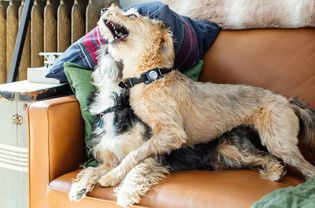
x,y
126,199
273,172
77,192
109,180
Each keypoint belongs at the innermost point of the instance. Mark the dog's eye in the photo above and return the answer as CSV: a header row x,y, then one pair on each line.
x,y
103,11
132,15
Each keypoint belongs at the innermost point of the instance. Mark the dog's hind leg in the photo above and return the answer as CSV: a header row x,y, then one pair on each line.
x,y
138,181
85,181
278,128
233,156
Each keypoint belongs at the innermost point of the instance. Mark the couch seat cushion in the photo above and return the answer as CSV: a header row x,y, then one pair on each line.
x,y
232,188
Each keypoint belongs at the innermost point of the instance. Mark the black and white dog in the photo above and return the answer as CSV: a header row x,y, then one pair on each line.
x,y
120,131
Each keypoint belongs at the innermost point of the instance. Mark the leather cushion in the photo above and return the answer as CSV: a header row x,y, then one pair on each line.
x,y
232,188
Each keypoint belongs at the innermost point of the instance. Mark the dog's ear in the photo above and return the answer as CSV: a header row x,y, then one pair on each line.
x,y
167,48
113,5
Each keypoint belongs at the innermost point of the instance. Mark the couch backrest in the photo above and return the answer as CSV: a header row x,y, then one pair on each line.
x,y
282,60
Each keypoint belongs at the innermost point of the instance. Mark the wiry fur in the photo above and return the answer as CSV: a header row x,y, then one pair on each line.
x,y
183,112
238,148
123,132
120,133
242,14
307,117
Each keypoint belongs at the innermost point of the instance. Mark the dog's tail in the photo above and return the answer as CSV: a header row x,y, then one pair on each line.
x,y
307,121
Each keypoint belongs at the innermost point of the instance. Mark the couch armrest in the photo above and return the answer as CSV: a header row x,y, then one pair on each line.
x,y
56,144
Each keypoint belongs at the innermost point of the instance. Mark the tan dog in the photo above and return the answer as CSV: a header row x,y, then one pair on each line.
x,y
181,111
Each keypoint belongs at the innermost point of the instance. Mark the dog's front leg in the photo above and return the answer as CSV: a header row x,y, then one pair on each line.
x,y
86,180
166,139
139,181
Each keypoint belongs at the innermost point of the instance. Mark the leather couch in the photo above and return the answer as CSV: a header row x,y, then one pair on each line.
x,y
282,60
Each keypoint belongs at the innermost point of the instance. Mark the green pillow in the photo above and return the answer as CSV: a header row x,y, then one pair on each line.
x,y
194,71
80,82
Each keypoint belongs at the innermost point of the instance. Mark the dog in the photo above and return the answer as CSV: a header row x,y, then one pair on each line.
x,y
181,112
119,131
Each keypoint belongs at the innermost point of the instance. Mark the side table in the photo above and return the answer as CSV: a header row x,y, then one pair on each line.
x,y
14,100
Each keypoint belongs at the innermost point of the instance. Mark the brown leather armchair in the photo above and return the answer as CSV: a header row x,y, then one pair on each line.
x,y
282,60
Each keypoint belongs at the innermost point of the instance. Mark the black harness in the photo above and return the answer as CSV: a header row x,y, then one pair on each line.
x,y
146,77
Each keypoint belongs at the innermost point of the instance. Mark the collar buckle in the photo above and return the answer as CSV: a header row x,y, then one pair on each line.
x,y
152,75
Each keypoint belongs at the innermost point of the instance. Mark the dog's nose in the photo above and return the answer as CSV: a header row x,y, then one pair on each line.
x,y
103,11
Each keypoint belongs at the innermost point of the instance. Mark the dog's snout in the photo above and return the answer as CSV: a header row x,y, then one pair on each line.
x,y
103,11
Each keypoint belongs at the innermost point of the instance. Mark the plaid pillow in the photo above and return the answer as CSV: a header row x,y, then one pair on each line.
x,y
83,52
191,40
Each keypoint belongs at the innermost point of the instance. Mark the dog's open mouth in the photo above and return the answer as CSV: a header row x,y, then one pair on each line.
x,y
119,32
